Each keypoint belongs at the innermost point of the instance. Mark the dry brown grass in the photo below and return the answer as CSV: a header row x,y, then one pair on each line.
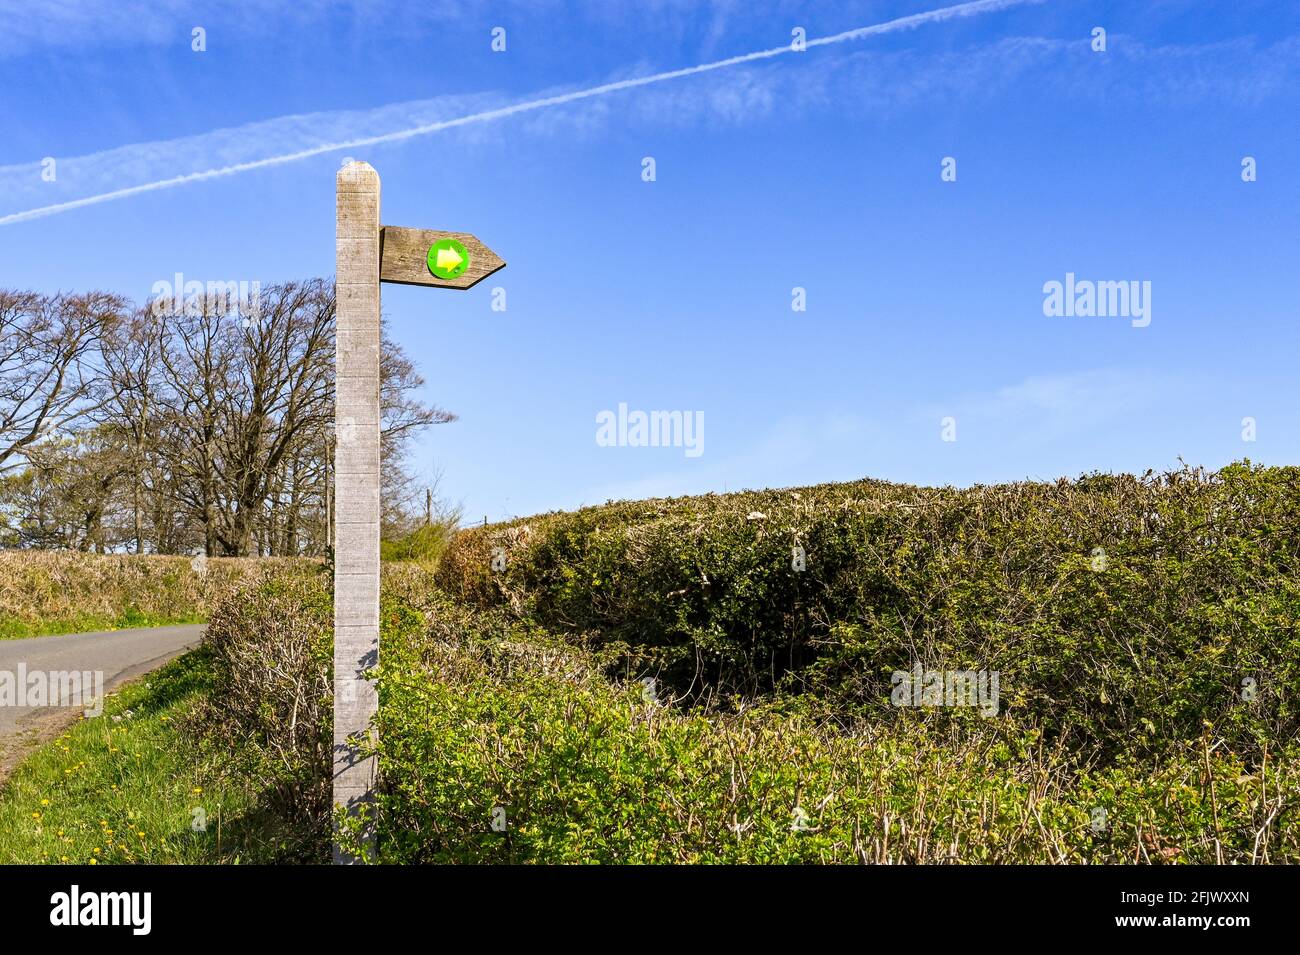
x,y
44,592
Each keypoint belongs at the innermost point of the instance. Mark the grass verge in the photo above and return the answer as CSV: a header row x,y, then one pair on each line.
x,y
131,786
128,619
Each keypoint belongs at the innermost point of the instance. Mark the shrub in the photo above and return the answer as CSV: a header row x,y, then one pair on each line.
x,y
423,545
486,719
1122,613
271,642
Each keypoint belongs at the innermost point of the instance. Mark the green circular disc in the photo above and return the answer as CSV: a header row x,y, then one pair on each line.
x,y
448,259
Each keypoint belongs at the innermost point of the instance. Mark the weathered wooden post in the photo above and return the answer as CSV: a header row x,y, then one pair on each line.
x,y
356,476
368,253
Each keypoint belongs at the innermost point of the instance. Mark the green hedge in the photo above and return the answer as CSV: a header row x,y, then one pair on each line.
x,y
486,720
1194,593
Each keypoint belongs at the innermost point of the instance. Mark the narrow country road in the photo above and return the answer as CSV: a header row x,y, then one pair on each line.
x,y
118,654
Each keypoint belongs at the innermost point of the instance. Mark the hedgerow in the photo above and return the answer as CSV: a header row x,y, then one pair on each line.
x,y
44,592
501,743
1122,613
270,643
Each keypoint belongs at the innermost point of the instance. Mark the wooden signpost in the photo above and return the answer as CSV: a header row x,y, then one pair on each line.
x,y
368,254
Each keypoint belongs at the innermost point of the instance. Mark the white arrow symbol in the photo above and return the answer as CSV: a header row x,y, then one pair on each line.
x,y
448,259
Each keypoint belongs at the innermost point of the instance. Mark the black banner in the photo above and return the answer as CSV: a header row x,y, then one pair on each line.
x,y
145,905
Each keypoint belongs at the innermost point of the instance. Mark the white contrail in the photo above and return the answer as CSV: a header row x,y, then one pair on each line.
x,y
890,26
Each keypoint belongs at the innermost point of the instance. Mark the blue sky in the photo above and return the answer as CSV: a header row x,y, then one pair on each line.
x,y
818,169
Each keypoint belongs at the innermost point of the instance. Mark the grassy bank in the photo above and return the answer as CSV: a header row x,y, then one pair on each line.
x,y
46,592
131,786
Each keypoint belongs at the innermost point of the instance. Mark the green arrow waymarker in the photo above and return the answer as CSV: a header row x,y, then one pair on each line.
x,y
448,259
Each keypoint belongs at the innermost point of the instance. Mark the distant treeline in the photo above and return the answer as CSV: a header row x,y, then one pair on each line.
x,y
201,428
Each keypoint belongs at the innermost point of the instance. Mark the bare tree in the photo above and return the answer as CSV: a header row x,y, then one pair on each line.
x,y
282,393
70,494
197,356
202,428
132,362
50,364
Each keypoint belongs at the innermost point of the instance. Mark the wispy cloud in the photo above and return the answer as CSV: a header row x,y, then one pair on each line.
x,y
45,26
50,25
1060,405
148,153
1233,72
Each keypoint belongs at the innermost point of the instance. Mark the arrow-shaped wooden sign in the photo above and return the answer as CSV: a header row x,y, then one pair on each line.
x,y
368,254
432,257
